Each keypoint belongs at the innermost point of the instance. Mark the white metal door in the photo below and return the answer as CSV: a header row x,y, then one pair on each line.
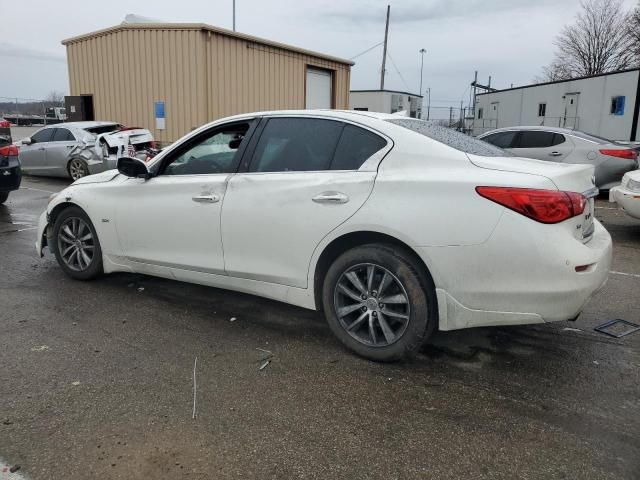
x,y
319,88
571,110
172,221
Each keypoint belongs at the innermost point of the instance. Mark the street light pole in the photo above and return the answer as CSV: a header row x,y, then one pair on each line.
x,y
422,52
428,101
234,15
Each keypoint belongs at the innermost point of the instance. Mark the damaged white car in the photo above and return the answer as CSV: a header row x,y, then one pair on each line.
x,y
78,149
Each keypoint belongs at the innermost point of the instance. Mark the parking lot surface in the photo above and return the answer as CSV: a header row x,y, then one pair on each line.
x,y
98,382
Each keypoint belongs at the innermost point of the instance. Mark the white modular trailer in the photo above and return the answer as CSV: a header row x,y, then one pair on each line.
x,y
386,101
606,105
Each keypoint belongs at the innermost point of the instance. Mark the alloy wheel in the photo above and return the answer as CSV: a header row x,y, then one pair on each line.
x,y
372,305
77,169
76,244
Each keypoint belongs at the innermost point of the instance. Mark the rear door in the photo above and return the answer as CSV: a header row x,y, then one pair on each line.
x,y
304,177
542,145
58,150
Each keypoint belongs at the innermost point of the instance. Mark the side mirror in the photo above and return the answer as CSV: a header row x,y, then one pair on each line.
x,y
134,168
27,141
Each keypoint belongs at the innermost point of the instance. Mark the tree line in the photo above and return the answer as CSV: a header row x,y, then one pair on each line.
x,y
603,38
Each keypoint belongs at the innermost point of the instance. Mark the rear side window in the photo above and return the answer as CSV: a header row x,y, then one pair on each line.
x,y
356,145
43,135
535,139
100,129
63,135
501,139
558,138
296,144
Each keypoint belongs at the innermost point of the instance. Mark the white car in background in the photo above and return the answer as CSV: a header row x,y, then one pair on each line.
x,y
627,195
78,149
393,226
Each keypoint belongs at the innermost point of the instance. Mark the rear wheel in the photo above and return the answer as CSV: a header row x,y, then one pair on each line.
x,y
76,245
3,197
378,303
78,168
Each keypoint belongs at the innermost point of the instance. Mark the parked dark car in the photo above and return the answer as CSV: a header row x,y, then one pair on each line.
x,y
10,172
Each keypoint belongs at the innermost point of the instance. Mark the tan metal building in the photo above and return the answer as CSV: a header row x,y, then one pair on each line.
x,y
198,73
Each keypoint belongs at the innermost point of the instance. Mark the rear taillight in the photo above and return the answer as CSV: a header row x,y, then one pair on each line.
x,y
152,143
545,206
9,150
625,153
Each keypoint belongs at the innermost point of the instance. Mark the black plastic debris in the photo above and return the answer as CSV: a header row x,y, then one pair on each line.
x,y
617,328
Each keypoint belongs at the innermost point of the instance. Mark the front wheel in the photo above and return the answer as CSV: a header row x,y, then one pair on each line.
x,y
3,197
379,303
76,245
78,168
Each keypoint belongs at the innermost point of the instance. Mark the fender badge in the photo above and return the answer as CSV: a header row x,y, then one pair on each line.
x,y
105,220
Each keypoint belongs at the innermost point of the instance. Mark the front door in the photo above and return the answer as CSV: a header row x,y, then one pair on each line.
x,y
58,151
33,156
543,145
173,219
571,111
304,180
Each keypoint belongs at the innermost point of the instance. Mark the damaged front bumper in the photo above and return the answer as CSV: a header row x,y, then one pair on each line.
x,y
44,233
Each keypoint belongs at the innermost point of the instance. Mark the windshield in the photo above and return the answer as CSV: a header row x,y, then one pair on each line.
x,y
114,127
450,137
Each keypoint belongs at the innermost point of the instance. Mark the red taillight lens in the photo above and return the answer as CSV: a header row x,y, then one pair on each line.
x,y
8,150
153,144
625,153
545,206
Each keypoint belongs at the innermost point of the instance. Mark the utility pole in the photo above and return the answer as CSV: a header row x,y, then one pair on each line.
x,y
450,116
428,102
422,52
384,51
234,15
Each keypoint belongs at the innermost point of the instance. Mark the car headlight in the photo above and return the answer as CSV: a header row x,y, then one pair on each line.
x,y
633,185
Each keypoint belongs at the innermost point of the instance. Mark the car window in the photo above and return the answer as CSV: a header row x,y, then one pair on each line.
x,y
43,135
63,135
558,138
113,127
355,146
535,139
451,138
296,144
501,139
214,152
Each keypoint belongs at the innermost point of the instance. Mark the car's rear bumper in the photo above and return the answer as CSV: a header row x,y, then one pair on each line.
x,y
10,178
627,200
518,279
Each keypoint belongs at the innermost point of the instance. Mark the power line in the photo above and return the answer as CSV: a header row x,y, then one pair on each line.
x,y
398,72
366,51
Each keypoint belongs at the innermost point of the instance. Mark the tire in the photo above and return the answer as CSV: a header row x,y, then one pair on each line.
x,y
73,231
77,168
410,293
3,197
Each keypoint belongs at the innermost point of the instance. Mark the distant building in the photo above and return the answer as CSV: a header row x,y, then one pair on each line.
x,y
386,101
174,77
606,105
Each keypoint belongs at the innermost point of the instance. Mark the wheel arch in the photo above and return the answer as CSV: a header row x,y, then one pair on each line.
x,y
350,240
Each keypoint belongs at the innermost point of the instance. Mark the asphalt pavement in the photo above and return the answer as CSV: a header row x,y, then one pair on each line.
x,y
98,382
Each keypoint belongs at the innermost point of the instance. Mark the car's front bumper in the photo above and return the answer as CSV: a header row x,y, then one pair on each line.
x,y
43,230
627,200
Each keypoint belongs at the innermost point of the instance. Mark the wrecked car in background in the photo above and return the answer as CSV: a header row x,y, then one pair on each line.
x,y
78,149
627,194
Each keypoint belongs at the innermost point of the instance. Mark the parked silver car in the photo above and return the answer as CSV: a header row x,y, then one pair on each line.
x,y
611,160
77,149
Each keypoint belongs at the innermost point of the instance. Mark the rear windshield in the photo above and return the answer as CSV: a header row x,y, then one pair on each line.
x,y
103,129
451,137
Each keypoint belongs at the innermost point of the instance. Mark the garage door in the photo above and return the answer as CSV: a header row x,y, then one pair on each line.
x,y
319,86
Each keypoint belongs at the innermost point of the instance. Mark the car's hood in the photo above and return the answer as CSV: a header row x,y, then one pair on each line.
x,y
566,176
97,178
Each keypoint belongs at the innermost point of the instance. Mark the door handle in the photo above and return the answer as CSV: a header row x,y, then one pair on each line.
x,y
206,198
555,154
41,149
331,197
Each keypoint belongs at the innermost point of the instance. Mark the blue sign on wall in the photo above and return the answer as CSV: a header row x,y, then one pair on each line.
x,y
160,115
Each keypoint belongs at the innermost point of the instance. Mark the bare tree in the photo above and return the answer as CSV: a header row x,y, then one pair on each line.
x,y
54,98
633,35
596,43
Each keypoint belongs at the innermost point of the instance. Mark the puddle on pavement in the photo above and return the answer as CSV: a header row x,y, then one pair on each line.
x,y
17,222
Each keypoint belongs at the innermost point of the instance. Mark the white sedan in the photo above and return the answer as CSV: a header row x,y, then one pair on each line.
x,y
394,227
627,194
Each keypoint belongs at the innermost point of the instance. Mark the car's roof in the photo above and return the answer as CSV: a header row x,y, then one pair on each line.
x,y
82,124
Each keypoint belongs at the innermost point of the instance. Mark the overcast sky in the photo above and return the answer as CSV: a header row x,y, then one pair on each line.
x,y
508,39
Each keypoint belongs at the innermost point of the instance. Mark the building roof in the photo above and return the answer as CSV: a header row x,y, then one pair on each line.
x,y
202,27
387,91
561,81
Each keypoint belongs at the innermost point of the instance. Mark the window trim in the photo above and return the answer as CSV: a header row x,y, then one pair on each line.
x,y
370,165
159,167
